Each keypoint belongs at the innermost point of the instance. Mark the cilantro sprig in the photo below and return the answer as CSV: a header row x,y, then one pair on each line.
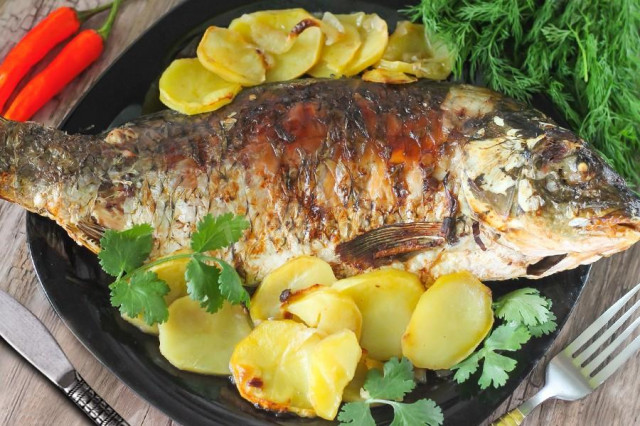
x,y
210,280
525,314
390,387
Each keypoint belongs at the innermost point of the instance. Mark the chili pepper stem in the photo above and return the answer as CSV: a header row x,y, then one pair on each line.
x,y
83,15
106,28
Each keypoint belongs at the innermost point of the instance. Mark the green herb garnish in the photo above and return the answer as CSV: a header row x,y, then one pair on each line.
x,y
582,54
526,314
210,280
390,387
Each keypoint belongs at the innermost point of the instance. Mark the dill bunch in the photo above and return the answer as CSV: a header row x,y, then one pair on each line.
x,y
584,55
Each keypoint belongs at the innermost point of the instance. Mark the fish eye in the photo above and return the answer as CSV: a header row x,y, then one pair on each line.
x,y
583,167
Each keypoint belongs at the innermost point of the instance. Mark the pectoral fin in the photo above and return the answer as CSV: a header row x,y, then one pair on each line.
x,y
384,244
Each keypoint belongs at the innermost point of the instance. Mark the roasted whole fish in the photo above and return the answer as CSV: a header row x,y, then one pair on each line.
x,y
429,177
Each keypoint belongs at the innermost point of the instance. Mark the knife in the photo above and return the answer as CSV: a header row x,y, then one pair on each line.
x,y
22,330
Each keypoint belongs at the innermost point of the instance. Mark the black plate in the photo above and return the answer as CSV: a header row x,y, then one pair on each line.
x,y
77,289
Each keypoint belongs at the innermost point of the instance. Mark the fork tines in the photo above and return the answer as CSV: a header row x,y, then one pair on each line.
x,y
580,357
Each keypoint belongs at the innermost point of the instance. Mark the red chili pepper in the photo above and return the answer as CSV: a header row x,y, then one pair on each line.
x,y
48,33
75,57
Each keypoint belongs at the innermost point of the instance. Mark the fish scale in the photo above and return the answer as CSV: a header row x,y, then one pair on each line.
x,y
430,177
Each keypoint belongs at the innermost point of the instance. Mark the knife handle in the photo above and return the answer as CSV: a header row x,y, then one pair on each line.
x,y
92,404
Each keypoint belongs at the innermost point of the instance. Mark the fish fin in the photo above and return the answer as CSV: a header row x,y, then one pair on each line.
x,y
544,264
86,232
383,244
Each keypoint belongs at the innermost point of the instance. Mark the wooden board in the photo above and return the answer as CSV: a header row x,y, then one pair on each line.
x,y
27,398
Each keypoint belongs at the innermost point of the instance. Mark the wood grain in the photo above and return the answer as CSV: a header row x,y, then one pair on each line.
x,y
26,398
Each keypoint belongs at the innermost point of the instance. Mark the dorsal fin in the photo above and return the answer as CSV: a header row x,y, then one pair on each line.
x,y
381,245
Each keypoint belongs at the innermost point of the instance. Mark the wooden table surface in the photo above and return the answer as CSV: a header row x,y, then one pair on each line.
x,y
26,398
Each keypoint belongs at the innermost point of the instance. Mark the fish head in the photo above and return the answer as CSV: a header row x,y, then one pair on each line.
x,y
547,193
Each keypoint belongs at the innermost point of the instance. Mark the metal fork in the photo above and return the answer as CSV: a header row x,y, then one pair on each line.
x,y
567,378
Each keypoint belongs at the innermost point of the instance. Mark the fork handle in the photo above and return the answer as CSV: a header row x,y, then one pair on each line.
x,y
92,404
514,417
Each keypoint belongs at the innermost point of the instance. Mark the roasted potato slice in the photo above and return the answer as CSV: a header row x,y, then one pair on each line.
x,y
411,51
386,76
188,87
172,272
296,274
291,40
386,299
341,44
270,367
323,308
451,319
227,54
374,37
198,341
284,365
332,366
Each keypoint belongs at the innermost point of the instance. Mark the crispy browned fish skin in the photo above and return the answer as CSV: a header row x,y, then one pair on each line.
x,y
431,177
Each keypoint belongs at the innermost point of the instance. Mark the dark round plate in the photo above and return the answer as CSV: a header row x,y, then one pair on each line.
x,y
77,289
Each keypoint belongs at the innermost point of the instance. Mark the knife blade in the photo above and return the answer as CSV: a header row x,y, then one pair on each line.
x,y
31,339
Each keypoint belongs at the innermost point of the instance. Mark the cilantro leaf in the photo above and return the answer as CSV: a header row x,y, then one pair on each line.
x,y
230,284
464,369
397,381
525,306
423,412
203,284
214,233
124,251
507,337
356,414
143,294
545,328
495,369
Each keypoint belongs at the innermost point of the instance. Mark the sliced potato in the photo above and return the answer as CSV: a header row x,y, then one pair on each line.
x,y
231,57
270,367
296,274
352,392
386,299
341,46
332,366
323,308
172,272
195,340
291,40
451,319
386,76
188,87
302,56
374,37
274,31
411,51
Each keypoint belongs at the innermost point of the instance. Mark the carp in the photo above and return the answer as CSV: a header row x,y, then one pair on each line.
x,y
431,177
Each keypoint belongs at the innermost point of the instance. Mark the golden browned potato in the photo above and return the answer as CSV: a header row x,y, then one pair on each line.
x,y
386,299
378,75
342,41
284,365
172,272
291,40
323,308
270,367
451,319
198,341
188,87
227,54
374,37
411,51
296,274
331,367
